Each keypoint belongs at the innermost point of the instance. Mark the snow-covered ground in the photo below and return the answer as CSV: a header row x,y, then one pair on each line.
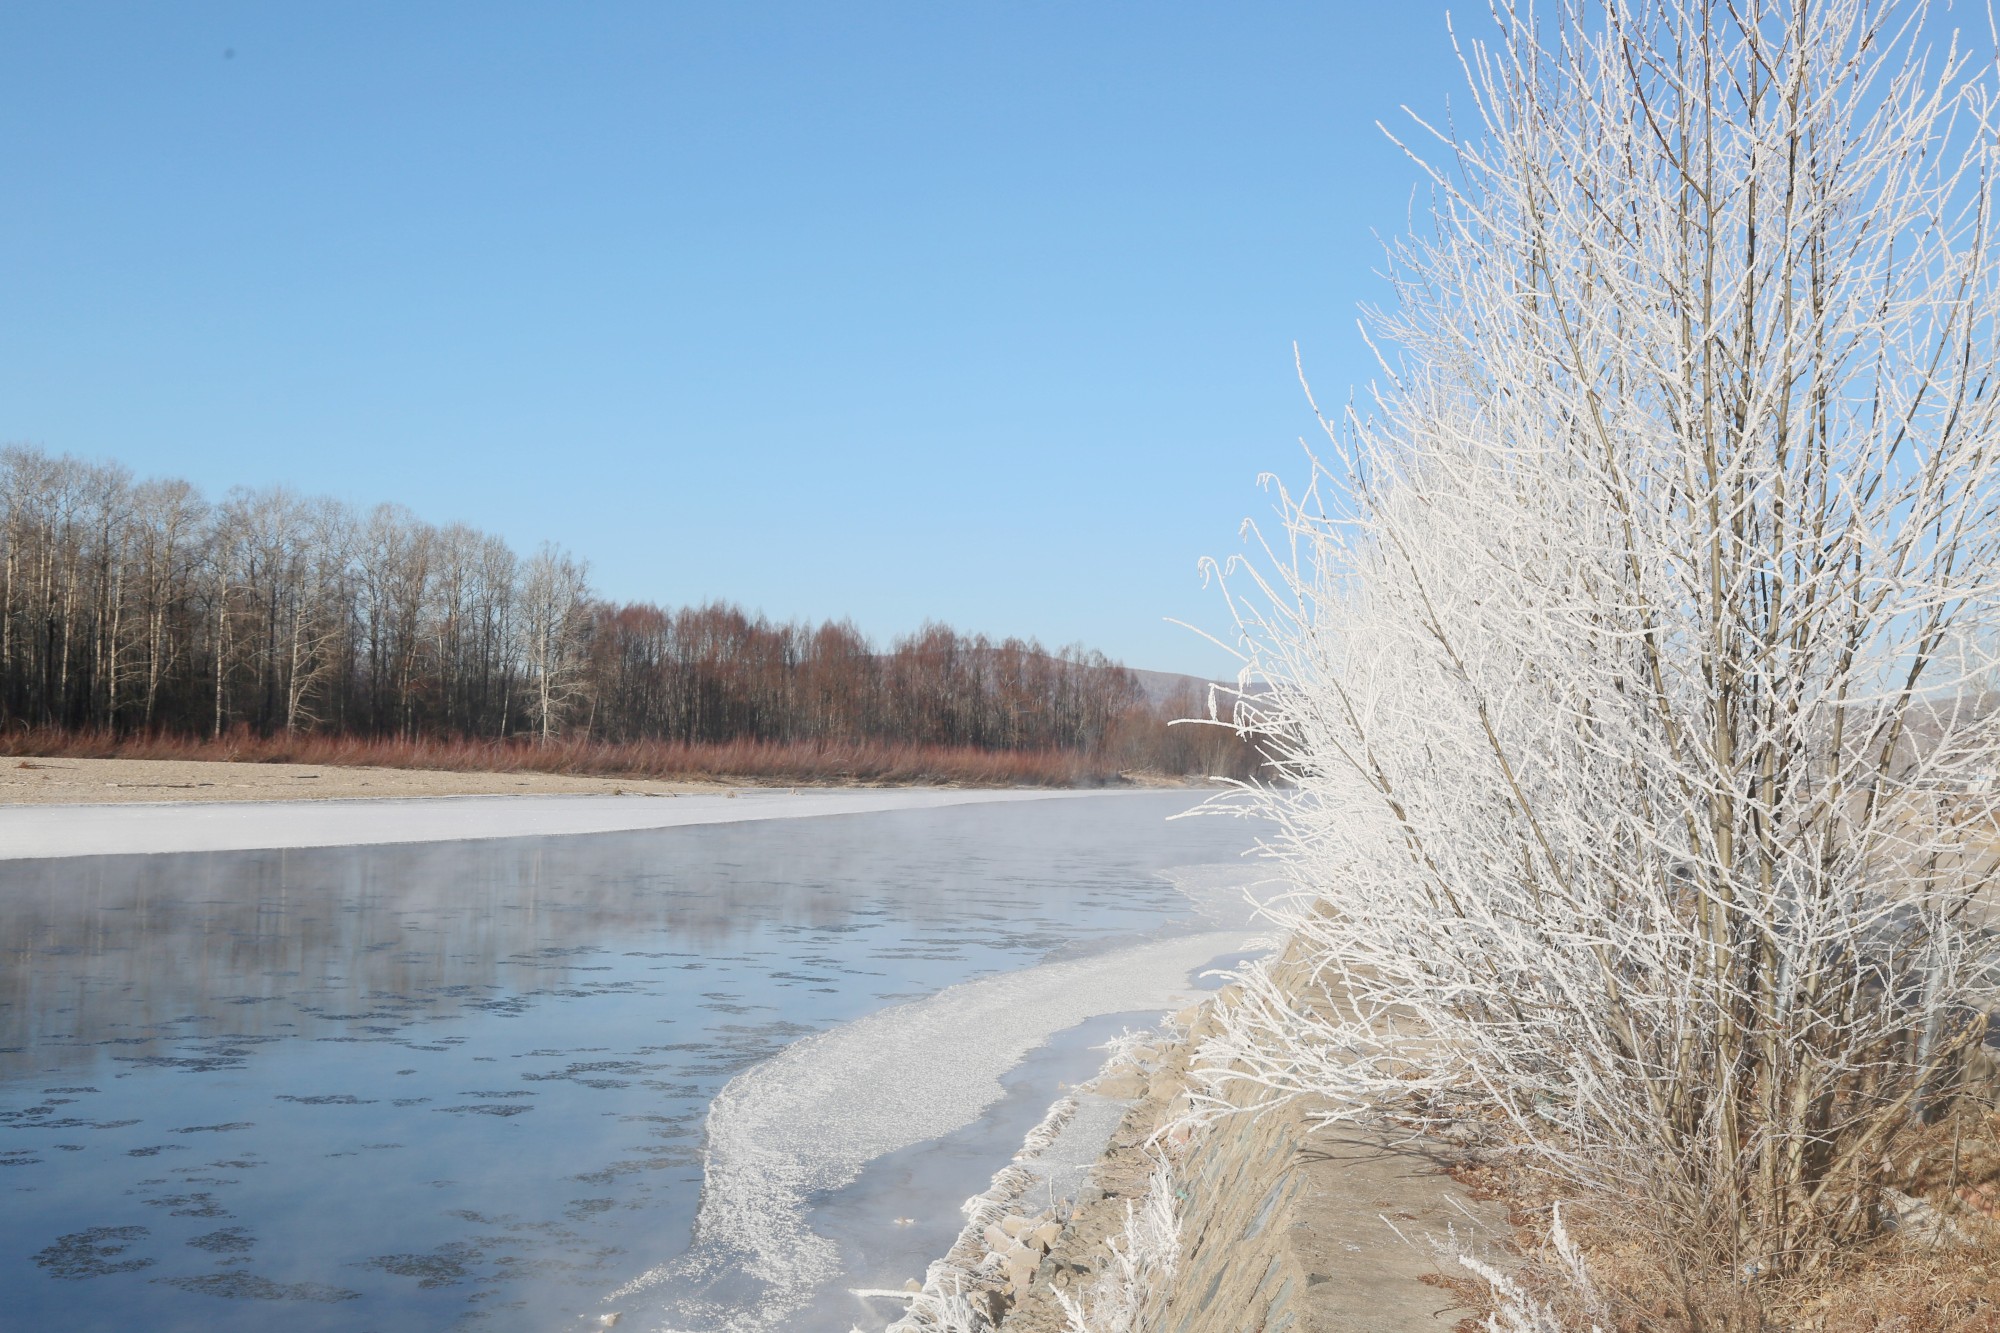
x,y
95,830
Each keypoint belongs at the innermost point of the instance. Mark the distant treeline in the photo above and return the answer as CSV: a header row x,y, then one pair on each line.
x,y
132,608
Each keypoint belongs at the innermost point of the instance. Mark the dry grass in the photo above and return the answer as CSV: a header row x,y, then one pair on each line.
x,y
1940,1276
842,763
1890,1283
1903,1288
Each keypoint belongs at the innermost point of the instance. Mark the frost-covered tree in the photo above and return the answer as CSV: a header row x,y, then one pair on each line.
x,y
1629,657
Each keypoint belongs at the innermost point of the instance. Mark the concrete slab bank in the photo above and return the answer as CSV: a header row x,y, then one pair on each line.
x,y
1284,1229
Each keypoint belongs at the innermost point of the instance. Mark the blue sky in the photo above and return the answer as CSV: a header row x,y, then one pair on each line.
x,y
974,311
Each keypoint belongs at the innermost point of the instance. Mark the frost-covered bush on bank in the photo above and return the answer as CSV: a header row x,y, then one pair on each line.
x,y
1630,655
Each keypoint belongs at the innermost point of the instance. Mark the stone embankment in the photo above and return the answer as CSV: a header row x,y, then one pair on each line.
x,y
1283,1228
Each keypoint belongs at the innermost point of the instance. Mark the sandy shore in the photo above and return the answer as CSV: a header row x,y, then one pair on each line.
x,y
118,781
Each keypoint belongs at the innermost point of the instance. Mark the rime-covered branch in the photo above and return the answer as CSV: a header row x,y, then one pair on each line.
x,y
1630,660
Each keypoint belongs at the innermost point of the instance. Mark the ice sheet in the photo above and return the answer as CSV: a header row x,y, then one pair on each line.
x,y
810,1118
95,830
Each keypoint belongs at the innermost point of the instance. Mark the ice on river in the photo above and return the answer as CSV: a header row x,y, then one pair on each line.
x,y
34,831
808,1120
401,1087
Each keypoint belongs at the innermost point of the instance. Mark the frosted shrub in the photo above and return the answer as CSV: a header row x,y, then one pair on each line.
x,y
1627,663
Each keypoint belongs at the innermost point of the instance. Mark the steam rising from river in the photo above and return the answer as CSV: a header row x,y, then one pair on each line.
x,y
394,1087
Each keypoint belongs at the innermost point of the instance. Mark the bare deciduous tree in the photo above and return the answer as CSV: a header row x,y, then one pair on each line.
x,y
554,616
139,607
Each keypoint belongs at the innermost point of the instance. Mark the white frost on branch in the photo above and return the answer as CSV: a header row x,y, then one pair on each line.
x,y
1144,1257
1628,663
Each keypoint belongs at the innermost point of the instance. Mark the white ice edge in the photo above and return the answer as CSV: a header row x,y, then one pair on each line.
x,y
811,1117
37,831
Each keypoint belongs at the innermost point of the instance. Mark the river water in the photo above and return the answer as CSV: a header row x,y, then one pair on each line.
x,y
470,1084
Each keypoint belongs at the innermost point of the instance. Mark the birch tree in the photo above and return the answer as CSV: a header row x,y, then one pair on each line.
x,y
554,601
314,620
1628,654
164,553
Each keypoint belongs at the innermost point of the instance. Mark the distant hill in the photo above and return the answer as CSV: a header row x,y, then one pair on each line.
x,y
1160,686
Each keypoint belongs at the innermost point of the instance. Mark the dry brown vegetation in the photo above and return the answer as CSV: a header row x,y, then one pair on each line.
x,y
766,761
759,761
1930,1263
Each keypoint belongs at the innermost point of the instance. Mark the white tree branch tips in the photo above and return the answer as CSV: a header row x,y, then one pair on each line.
x,y
1635,670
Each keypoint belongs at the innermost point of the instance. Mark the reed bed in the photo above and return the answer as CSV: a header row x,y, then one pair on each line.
x,y
810,762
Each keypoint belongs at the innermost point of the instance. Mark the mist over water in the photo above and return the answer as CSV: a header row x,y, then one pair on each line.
x,y
465,1084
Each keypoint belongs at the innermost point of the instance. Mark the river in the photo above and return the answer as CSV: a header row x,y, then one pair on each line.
x,y
705,1077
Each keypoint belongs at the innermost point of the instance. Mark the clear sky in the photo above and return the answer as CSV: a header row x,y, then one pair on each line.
x,y
977,311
